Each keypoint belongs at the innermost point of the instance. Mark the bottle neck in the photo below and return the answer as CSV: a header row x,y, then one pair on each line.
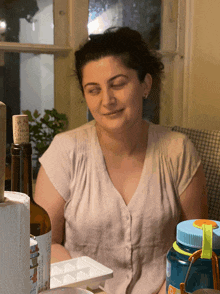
x,y
21,169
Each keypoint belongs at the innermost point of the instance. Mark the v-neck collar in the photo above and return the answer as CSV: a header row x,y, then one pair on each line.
x,y
104,172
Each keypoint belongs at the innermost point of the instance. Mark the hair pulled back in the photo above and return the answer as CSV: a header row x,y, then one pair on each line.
x,y
121,42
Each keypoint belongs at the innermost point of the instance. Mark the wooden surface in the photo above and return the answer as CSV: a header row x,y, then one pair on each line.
x,y
97,291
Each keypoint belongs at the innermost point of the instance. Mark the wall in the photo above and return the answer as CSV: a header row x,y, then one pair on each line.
x,y
204,98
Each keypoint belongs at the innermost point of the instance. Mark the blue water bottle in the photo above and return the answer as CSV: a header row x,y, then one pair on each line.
x,y
193,261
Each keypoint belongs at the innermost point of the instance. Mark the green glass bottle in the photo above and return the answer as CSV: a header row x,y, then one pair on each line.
x,y
21,181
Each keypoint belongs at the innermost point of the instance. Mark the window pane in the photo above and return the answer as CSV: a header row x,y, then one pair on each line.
x,y
141,15
36,82
25,21
27,83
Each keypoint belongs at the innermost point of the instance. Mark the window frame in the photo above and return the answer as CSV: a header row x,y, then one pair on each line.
x,y
177,24
33,48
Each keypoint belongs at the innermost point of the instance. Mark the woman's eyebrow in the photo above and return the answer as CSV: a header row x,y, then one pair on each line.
x,y
115,77
110,80
90,84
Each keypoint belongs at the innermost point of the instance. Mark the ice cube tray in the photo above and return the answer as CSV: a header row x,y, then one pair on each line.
x,y
81,271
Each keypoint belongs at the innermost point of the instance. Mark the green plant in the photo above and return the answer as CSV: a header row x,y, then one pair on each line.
x,y
42,130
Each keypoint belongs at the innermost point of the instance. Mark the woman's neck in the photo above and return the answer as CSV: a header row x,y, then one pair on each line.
x,y
131,141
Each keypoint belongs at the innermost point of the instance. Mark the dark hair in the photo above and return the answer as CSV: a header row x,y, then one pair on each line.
x,y
121,42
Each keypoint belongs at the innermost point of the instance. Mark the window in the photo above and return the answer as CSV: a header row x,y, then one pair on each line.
x,y
28,47
69,29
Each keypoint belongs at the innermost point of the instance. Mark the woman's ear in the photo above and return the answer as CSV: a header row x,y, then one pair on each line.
x,y
147,85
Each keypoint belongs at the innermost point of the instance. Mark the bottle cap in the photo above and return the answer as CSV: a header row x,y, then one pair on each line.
x,y
20,129
190,233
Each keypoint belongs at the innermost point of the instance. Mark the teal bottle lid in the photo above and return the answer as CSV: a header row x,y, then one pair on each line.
x,y
190,233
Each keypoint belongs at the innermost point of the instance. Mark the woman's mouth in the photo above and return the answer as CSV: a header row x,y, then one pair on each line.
x,y
113,112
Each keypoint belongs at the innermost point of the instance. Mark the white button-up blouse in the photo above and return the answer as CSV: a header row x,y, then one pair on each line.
x,y
132,239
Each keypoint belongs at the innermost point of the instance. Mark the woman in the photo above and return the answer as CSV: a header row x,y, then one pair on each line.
x,y
119,185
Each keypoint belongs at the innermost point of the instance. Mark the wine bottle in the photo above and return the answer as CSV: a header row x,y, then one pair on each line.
x,y
2,149
21,181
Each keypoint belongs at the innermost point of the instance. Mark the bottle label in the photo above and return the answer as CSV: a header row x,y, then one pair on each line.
x,y
173,290
33,280
43,270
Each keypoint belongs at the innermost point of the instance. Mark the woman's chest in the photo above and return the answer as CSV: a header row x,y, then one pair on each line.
x,y
101,190
97,213
126,176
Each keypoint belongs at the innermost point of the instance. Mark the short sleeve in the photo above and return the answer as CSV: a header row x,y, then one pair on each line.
x,y
57,164
185,161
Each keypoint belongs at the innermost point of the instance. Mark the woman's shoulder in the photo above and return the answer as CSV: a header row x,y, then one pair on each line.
x,y
168,141
165,133
76,139
83,131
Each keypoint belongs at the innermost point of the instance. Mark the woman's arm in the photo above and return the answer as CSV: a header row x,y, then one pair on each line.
x,y
59,252
194,203
49,198
163,288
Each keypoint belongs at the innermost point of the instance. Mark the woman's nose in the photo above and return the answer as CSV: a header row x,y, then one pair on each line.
x,y
108,97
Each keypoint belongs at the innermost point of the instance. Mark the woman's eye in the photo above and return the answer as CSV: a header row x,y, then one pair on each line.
x,y
119,85
94,91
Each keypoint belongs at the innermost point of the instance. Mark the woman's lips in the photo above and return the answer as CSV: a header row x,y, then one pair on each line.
x,y
113,112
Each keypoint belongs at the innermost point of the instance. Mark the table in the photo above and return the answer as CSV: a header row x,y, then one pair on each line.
x,y
97,291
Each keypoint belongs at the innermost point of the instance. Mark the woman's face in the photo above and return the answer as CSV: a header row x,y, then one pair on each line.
x,y
114,93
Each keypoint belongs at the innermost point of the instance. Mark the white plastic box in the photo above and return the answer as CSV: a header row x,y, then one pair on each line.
x,y
78,272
